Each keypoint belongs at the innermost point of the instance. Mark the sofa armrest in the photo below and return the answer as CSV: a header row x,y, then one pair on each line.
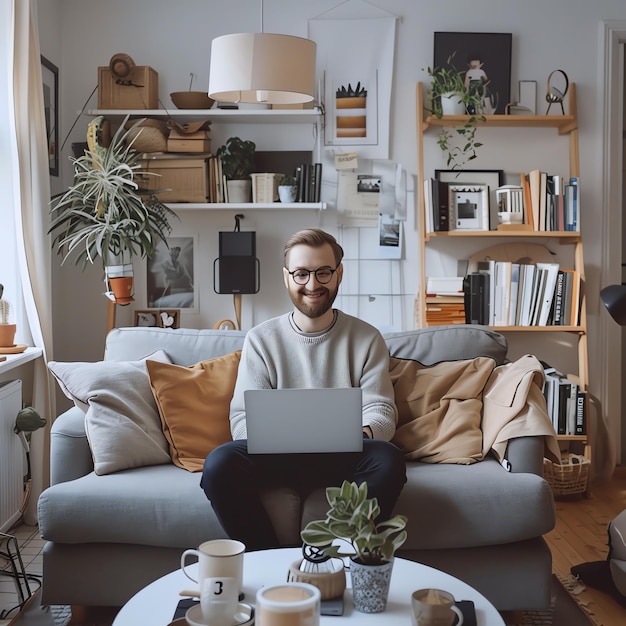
x,y
525,454
70,454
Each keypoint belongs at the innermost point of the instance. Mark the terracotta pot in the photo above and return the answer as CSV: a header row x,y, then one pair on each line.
x,y
122,288
7,335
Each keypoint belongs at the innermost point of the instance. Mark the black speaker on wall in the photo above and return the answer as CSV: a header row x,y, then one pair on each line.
x,y
236,270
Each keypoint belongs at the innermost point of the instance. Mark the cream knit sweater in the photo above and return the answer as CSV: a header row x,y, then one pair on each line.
x,y
351,353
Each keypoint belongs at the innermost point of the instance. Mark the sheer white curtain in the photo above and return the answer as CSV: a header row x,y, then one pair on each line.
x,y
24,243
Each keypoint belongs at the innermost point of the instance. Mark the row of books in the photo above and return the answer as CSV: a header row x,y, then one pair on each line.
x,y
551,202
566,403
503,293
309,182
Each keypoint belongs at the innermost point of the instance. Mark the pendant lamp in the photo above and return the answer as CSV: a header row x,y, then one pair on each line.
x,y
262,68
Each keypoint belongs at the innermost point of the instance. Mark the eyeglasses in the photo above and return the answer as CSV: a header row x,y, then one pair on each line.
x,y
323,275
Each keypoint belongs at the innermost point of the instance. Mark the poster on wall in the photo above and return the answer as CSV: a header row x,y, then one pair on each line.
x,y
355,57
171,275
485,59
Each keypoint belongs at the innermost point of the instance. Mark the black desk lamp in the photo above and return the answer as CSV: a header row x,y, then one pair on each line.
x,y
614,299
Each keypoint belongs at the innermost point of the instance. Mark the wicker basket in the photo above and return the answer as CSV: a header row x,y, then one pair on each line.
x,y
265,187
570,476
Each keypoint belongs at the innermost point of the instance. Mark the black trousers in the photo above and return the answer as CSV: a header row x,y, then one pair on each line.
x,y
232,480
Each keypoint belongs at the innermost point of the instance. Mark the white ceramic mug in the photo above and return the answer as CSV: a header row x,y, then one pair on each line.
x,y
218,600
288,604
434,607
217,558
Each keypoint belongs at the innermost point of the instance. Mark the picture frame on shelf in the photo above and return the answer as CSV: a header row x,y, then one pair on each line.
x,y
50,85
469,206
490,62
158,318
492,178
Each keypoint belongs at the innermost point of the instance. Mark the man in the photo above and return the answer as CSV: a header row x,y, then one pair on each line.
x,y
313,346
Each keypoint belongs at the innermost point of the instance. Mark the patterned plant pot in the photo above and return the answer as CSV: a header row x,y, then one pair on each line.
x,y
370,586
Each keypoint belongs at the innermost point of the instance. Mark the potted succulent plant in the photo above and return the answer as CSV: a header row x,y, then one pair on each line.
x,y
352,518
449,96
7,331
287,189
106,213
237,157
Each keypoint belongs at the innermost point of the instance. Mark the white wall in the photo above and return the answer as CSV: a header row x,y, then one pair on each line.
x,y
175,38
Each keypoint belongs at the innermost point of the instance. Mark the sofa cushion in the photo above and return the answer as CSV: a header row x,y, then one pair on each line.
x,y
194,406
439,408
122,422
447,343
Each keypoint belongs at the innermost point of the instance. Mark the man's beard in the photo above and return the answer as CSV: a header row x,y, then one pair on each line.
x,y
315,309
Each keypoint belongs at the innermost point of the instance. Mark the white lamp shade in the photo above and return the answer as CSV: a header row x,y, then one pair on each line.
x,y
262,67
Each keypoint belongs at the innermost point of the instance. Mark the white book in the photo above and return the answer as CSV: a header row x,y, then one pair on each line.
x,y
515,282
552,272
527,295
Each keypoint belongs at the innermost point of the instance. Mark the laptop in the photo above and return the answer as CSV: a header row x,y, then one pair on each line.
x,y
287,421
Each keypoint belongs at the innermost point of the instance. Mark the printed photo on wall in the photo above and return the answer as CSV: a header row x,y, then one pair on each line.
x,y
171,275
390,237
484,59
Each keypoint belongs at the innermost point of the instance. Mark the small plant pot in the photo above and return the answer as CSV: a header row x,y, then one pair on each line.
x,y
122,288
451,104
331,584
7,335
287,193
370,586
239,191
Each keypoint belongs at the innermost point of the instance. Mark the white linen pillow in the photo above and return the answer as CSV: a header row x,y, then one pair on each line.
x,y
122,420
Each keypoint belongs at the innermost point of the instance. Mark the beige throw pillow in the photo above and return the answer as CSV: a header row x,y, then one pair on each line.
x,y
121,420
194,405
440,408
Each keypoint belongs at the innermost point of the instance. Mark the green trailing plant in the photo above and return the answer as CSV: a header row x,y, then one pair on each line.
x,y
348,92
352,518
237,156
105,213
460,142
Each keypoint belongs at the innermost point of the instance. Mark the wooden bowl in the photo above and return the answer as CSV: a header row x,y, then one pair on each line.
x,y
191,100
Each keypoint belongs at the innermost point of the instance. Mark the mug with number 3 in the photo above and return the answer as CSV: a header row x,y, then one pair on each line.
x,y
218,600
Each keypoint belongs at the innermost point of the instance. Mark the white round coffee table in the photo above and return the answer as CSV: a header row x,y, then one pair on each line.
x,y
156,603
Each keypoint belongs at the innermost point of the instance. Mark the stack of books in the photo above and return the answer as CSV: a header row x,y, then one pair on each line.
x,y
566,403
445,301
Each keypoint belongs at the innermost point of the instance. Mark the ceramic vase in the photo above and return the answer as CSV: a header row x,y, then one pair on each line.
x,y
287,193
239,191
7,335
370,586
451,104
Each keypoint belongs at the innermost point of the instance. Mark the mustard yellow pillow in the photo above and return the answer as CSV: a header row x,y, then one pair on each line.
x,y
194,404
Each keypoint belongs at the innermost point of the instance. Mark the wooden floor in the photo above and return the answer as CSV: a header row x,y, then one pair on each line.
x,y
581,536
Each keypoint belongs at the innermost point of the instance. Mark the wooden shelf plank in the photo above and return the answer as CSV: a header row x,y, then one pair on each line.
x,y
248,206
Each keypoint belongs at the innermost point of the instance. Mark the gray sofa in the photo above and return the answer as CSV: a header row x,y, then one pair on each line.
x,y
109,535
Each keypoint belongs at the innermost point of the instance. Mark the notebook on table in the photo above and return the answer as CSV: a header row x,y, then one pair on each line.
x,y
287,421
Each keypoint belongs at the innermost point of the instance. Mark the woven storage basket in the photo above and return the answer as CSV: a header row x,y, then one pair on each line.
x,y
570,476
150,136
265,187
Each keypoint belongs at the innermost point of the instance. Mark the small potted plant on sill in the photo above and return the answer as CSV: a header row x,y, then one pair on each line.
x,y
106,213
287,189
7,331
237,157
352,518
449,96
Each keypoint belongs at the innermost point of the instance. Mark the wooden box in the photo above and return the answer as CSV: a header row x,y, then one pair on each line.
x,y
193,142
184,178
141,93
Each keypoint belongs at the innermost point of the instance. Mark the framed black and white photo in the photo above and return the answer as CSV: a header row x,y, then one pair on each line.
x,y
485,60
492,178
469,205
170,275
158,318
50,80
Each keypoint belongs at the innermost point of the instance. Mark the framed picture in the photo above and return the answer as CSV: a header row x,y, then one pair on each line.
x,y
486,60
158,318
170,275
50,80
469,205
492,178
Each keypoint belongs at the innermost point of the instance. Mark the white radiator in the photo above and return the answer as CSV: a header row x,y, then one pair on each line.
x,y
11,455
